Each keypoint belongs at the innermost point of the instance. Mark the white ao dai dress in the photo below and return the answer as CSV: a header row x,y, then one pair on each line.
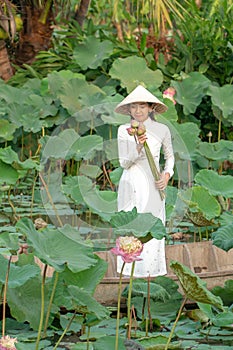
x,y
137,189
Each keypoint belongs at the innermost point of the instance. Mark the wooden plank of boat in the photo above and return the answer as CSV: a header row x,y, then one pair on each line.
x,y
211,264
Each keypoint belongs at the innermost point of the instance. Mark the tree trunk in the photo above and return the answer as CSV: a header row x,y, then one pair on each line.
x,y
81,12
35,35
6,70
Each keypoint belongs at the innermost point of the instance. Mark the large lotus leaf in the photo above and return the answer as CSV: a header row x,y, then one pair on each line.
x,y
8,156
216,184
6,130
58,146
11,94
108,342
91,52
82,191
222,98
18,274
170,115
77,93
88,279
42,104
9,175
223,237
9,241
76,187
54,248
162,289
198,199
56,80
225,292
139,224
92,171
185,139
111,151
85,147
132,71
25,302
82,298
26,116
190,91
215,151
193,287
115,118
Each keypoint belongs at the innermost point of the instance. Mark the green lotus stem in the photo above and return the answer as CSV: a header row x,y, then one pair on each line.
x,y
153,167
65,331
175,323
4,298
42,308
50,303
129,300
118,307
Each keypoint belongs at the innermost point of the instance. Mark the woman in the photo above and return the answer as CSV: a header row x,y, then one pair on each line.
x,y
137,187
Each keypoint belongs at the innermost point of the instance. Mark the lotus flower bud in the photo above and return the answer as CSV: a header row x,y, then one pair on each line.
x,y
131,131
134,123
169,93
141,130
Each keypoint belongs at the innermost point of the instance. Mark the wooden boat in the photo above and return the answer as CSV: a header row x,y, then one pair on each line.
x,y
211,264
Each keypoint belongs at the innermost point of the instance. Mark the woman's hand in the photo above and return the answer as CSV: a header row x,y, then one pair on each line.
x,y
141,139
161,184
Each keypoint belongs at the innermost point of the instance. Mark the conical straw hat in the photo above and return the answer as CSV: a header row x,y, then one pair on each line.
x,y
140,94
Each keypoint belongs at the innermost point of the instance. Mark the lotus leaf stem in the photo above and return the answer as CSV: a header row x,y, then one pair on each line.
x,y
118,307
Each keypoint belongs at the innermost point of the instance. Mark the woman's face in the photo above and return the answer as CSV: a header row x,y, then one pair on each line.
x,y
140,111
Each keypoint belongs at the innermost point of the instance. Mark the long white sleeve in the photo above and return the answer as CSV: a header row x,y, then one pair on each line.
x,y
127,151
168,153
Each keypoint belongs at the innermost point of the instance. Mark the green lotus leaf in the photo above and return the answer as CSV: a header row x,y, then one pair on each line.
x,y
54,248
56,80
29,293
108,342
82,298
193,287
212,151
132,71
9,175
199,199
161,289
87,279
92,171
77,93
8,156
7,130
18,274
216,184
85,147
190,91
185,139
82,191
91,52
139,224
26,116
223,237
225,292
11,94
58,147
222,98
76,187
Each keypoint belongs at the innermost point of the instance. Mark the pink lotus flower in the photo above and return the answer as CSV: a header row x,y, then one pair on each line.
x,y
8,343
169,93
129,248
131,131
